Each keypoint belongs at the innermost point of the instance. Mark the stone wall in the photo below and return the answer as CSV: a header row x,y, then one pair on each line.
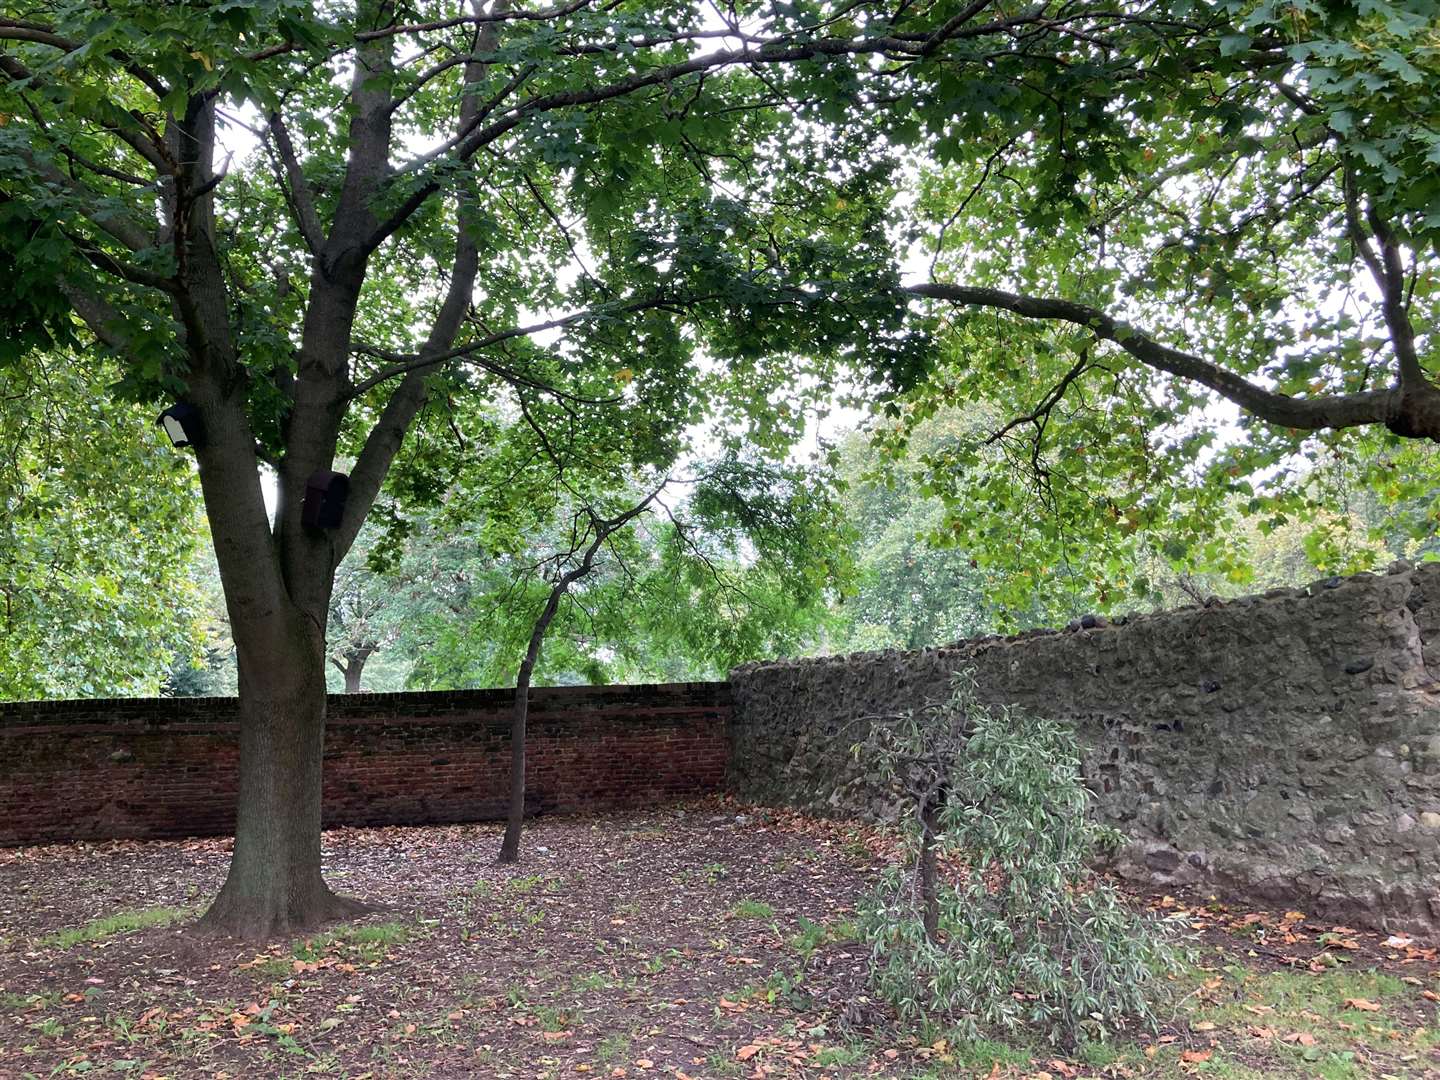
x,y
78,770
1284,747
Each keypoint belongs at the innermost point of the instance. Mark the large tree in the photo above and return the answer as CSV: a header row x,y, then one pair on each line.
x,y
431,189
339,230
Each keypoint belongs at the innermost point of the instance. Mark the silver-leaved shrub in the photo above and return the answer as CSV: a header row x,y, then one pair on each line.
x,y
998,923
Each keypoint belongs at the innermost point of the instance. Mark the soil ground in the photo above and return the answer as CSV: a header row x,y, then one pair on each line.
x,y
711,940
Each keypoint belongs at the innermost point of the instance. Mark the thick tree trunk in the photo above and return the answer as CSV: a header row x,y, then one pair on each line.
x,y
354,667
274,886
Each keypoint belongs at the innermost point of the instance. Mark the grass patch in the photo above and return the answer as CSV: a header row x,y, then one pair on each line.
x,y
812,935
122,922
751,909
613,1047
370,941
1304,1001
828,1057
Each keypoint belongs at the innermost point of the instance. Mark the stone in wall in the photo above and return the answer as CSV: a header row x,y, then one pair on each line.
x,y
1284,747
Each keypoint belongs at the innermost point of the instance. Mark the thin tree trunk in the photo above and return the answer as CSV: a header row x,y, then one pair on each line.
x,y
929,872
604,529
515,818
274,886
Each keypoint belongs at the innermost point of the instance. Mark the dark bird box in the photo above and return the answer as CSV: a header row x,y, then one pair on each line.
x,y
183,425
325,495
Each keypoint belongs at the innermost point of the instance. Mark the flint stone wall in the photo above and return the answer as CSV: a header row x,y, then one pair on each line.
x,y
1284,747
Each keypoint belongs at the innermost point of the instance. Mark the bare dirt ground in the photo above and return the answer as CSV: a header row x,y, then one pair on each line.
x,y
711,940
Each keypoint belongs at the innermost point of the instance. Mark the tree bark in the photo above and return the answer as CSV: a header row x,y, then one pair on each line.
x,y
354,667
515,817
929,871
274,886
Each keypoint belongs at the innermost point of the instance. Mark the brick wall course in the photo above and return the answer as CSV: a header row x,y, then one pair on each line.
x,y
145,768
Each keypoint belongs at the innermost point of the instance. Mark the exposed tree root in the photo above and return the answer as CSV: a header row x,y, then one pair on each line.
x,y
264,918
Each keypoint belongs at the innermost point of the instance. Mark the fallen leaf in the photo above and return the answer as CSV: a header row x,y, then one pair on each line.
x,y
1362,1004
746,1052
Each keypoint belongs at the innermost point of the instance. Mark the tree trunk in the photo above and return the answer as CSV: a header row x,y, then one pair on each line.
x,y
515,819
355,662
274,886
602,530
929,872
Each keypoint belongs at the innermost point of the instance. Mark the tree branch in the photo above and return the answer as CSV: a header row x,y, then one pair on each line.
x,y
409,398
403,364
301,198
1307,414
468,143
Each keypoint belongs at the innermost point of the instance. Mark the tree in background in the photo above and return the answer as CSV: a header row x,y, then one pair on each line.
x,y
589,532
736,564
918,585
368,613
914,586
97,523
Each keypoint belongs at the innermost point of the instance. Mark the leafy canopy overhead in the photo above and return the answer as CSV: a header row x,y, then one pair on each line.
x,y
393,231
1269,233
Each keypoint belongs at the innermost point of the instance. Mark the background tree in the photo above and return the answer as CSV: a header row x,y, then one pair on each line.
x,y
367,612
589,533
97,524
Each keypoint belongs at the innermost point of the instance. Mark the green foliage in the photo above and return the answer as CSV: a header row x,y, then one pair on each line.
x,y
726,241
1027,937
1223,215
739,565
915,586
98,518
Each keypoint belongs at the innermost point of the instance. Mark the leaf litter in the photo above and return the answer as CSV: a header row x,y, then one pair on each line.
x,y
708,940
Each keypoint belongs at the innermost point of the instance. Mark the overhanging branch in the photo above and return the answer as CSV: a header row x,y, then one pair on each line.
x,y
1306,414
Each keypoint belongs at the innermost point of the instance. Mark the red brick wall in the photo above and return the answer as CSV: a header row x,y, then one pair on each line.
x,y
80,770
